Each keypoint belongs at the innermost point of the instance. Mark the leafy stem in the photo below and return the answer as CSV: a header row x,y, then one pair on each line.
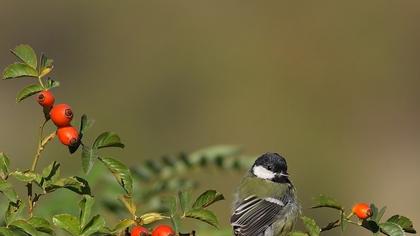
x,y
41,145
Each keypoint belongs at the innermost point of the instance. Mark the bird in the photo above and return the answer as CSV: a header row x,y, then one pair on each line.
x,y
265,202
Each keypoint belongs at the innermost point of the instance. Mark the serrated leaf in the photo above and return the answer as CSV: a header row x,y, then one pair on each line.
x,y
107,139
94,225
27,176
24,226
4,165
325,201
122,225
75,184
7,189
120,171
13,211
184,200
17,70
311,226
88,158
405,223
41,224
26,54
170,203
6,232
85,205
29,91
207,198
203,215
68,223
391,229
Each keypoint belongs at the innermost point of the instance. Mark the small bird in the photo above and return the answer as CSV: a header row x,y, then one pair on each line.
x,y
265,203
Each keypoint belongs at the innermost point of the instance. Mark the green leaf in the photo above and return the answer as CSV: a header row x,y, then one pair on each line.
x,y
7,189
75,184
207,198
19,70
120,171
108,139
41,224
325,201
391,229
46,65
88,158
184,200
24,226
211,153
51,172
122,225
203,215
27,176
85,209
13,211
26,54
4,165
85,124
51,84
371,225
68,223
311,226
6,232
94,225
29,91
404,222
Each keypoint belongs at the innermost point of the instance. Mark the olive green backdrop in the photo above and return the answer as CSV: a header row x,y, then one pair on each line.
x,y
333,85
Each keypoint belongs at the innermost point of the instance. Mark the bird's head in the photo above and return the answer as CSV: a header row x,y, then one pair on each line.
x,y
271,166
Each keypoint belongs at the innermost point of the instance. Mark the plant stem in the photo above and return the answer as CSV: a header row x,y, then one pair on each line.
x,y
40,81
41,145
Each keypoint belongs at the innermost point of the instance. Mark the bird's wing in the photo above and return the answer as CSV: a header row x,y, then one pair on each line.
x,y
254,215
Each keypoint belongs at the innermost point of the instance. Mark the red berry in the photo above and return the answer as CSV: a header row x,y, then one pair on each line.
x,y
139,231
46,98
362,210
163,230
61,115
68,135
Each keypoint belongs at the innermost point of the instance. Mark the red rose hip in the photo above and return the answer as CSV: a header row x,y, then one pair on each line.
x,y
362,210
68,135
139,231
163,230
61,115
46,98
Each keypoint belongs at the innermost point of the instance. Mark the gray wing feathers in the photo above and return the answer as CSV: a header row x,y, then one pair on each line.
x,y
254,215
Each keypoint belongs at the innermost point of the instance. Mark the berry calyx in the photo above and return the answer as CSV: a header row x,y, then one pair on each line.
x,y
139,231
46,98
68,135
362,210
163,230
61,115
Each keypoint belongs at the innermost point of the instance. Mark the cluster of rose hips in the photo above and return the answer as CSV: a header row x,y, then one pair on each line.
x,y
61,115
161,230
362,211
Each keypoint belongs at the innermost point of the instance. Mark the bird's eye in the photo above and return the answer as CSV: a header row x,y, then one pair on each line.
x,y
270,167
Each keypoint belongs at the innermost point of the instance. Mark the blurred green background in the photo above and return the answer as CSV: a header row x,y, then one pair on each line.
x,y
332,85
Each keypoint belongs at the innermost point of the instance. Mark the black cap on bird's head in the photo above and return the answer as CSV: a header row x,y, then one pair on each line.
x,y
271,166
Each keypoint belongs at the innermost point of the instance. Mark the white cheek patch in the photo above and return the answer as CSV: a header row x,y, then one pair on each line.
x,y
262,172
